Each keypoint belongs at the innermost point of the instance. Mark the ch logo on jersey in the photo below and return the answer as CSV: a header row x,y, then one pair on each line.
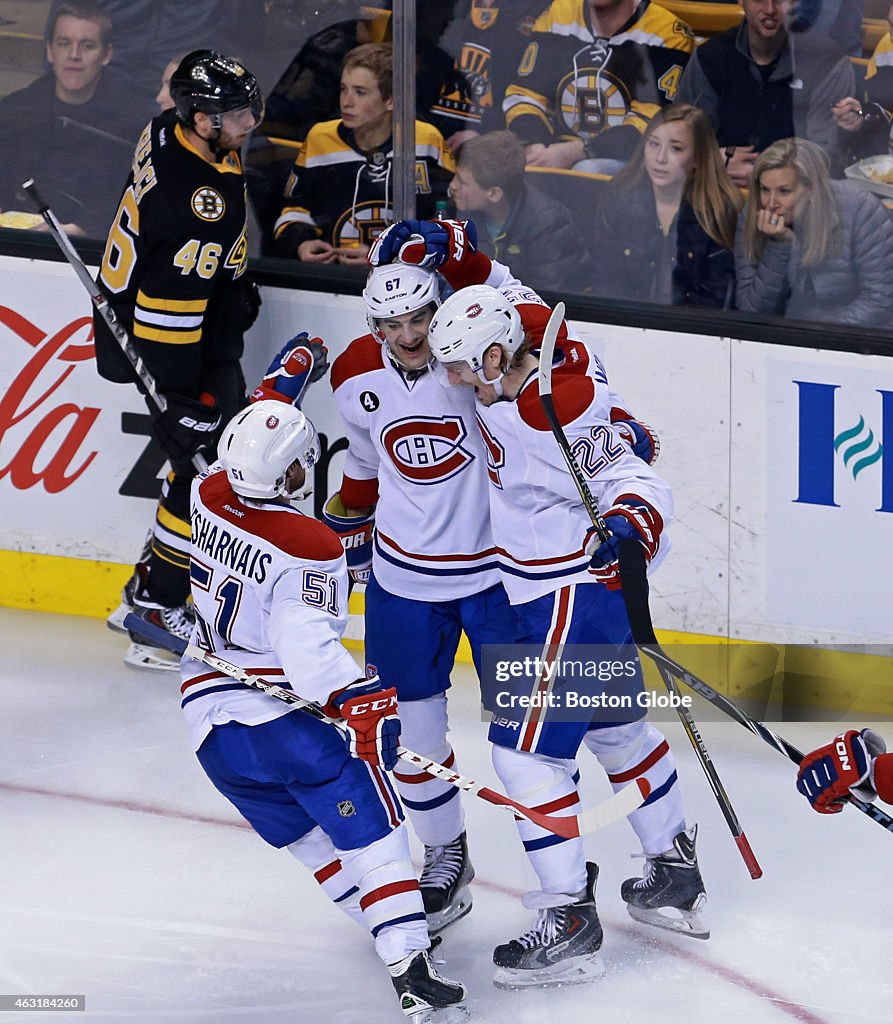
x,y
427,449
495,454
591,100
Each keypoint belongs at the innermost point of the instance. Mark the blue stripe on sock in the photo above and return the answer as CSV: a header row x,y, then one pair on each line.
x,y
397,920
544,843
656,794
428,805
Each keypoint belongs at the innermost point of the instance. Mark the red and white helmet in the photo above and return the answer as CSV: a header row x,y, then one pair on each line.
x,y
395,289
469,322
260,443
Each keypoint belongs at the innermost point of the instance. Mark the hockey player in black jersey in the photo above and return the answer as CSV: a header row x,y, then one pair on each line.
x,y
173,270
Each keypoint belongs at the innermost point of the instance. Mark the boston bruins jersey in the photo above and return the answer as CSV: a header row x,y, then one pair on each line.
x,y
571,84
175,249
345,196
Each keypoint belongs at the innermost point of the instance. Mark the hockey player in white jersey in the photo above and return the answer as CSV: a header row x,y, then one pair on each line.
x,y
270,592
416,466
564,587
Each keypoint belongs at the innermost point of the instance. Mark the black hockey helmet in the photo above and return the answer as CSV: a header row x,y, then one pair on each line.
x,y
209,82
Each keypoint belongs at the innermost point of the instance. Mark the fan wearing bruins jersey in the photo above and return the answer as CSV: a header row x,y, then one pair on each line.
x,y
593,74
173,272
338,198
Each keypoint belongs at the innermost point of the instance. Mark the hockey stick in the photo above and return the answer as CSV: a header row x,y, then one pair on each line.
x,y
102,307
547,352
635,593
613,809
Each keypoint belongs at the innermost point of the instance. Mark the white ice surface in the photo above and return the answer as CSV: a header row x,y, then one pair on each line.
x,y
126,877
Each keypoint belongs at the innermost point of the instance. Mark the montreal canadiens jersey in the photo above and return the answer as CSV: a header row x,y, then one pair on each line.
x,y
415,445
569,83
178,240
270,591
539,522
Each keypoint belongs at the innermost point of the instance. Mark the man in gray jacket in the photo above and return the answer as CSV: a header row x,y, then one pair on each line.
x,y
759,83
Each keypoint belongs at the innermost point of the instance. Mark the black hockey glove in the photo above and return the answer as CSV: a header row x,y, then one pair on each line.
x,y
185,427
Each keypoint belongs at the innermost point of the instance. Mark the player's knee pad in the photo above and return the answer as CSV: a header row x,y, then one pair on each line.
x,y
619,746
423,727
528,776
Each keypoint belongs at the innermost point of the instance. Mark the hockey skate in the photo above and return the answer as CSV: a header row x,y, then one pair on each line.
x,y
561,948
445,878
425,997
176,621
671,894
131,588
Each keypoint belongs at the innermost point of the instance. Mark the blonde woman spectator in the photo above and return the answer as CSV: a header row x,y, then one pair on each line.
x,y
668,220
812,248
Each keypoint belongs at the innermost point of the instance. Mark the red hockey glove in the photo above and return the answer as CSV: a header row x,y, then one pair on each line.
x,y
429,244
300,362
370,714
641,438
355,534
630,519
828,774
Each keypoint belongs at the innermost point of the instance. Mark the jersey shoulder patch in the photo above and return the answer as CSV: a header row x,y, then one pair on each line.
x,y
572,395
282,526
363,355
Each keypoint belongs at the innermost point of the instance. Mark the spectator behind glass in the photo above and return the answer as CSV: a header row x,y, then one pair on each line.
x,y
759,83
593,74
72,129
867,121
668,218
812,248
163,97
533,235
339,196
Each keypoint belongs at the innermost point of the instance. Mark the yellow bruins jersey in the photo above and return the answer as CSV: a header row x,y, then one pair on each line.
x,y
174,252
570,83
345,196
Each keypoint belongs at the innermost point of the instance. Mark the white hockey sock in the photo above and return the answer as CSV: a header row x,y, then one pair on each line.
x,y
316,851
433,806
546,784
389,895
638,750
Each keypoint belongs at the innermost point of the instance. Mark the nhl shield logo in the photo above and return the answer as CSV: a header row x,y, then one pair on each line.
x,y
346,809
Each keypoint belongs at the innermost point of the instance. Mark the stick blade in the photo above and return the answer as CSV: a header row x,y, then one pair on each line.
x,y
547,349
154,635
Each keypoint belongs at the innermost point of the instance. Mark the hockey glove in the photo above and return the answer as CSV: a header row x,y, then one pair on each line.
x,y
370,714
828,774
186,426
641,438
627,520
300,363
355,534
429,244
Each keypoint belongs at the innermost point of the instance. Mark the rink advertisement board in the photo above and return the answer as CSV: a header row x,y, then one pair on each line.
x,y
777,458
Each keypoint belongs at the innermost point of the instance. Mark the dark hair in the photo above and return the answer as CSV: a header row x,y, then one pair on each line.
x,y
496,160
86,10
377,58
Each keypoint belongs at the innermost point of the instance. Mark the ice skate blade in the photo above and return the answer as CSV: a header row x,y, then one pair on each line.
x,y
155,659
686,922
441,919
580,970
455,1014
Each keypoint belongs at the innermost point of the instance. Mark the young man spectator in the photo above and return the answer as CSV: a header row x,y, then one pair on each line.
x,y
73,129
173,270
532,234
339,195
593,74
759,83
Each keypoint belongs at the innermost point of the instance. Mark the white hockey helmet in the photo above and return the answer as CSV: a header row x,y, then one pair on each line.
x,y
469,322
395,289
260,443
